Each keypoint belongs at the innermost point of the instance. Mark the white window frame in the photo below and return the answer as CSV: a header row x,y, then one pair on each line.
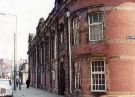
x,y
98,73
100,35
76,26
77,75
53,75
61,37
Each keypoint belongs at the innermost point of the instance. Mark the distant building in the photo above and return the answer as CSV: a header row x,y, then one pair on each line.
x,y
5,68
24,71
85,48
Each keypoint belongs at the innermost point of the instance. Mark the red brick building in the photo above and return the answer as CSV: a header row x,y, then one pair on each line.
x,y
85,48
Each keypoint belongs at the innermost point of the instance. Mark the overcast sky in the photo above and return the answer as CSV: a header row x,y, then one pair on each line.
x,y
28,13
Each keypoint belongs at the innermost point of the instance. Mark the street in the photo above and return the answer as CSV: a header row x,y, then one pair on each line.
x,y
32,92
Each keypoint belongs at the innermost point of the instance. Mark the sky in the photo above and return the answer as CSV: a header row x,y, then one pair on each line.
x,y
28,13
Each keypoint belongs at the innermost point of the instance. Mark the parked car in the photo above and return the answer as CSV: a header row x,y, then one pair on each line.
x,y
6,88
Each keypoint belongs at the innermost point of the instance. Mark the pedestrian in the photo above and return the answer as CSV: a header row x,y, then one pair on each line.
x,y
17,82
27,83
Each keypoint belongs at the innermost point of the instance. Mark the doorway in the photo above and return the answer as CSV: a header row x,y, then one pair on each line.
x,y
61,79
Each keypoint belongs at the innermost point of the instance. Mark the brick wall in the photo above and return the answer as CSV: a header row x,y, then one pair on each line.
x,y
117,47
119,51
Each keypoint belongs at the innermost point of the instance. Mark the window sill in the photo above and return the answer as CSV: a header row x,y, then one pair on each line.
x,y
75,45
96,41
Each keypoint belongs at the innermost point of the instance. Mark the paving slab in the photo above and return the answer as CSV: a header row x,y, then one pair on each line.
x,y
32,92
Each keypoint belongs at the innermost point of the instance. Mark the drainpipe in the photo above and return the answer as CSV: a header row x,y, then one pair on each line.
x,y
69,49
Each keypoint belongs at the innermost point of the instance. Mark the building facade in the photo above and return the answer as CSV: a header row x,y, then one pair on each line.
x,y
85,48
24,71
5,68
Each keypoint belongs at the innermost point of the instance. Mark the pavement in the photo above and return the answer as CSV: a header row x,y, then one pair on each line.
x,y
32,92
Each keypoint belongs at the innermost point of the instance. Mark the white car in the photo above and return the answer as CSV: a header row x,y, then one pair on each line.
x,y
6,88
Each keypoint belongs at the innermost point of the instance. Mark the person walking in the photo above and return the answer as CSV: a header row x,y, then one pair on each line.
x,y
27,83
19,83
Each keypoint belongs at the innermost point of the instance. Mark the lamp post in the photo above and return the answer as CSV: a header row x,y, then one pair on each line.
x,y
15,45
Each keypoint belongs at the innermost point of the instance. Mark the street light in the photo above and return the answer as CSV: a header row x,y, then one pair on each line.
x,y
15,45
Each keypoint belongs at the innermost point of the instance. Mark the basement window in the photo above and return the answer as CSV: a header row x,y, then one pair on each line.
x,y
95,22
98,80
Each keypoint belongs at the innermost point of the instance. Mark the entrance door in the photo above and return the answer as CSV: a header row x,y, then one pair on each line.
x,y
61,79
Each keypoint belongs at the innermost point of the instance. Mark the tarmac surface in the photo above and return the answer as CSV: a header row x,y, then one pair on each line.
x,y
32,92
